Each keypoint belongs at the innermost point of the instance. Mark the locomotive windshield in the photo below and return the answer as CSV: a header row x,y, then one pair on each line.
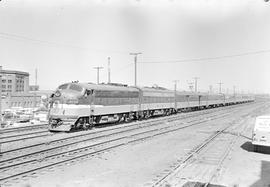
x,y
63,86
74,87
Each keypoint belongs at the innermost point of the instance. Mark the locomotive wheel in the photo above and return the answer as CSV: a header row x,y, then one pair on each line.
x,y
87,126
127,118
120,117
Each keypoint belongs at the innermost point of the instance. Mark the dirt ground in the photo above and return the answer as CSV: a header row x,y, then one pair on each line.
x,y
245,167
141,163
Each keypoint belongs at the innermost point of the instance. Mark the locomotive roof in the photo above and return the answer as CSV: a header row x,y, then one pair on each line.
x,y
136,89
108,87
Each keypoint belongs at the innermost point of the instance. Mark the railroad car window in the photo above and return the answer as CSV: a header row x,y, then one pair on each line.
x,y
75,87
62,87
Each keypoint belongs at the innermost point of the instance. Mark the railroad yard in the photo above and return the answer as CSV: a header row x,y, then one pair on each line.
x,y
134,93
200,148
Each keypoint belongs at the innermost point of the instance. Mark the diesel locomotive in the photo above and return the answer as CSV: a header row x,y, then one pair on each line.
x,y
83,105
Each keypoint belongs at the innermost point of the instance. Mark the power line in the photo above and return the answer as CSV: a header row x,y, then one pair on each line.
x,y
55,44
208,58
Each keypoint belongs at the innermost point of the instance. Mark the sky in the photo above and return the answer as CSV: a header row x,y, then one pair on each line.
x,y
65,40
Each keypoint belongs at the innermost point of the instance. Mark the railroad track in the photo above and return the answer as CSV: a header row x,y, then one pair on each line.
x,y
53,159
24,136
209,150
43,133
71,137
24,128
85,138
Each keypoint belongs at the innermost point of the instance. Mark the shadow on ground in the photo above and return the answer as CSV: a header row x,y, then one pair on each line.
x,y
199,184
247,146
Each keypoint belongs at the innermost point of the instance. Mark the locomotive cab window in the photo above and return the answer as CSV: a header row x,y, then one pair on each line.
x,y
75,87
63,87
89,92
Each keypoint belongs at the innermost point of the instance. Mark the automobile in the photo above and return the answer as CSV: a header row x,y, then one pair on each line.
x,y
40,117
261,132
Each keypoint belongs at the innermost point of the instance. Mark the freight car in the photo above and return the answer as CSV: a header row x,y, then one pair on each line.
x,y
83,105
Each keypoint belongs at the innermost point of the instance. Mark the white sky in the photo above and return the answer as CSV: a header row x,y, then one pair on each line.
x,y
64,40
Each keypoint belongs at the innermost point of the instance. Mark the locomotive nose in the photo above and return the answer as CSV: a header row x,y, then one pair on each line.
x,y
67,96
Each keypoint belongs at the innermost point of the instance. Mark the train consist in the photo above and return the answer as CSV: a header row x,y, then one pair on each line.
x,y
84,105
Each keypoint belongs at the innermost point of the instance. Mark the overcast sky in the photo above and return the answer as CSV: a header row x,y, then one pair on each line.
x,y
64,40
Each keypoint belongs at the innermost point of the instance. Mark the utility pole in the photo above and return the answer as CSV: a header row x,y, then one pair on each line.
x,y
109,70
210,89
220,83
196,79
175,93
190,85
35,93
0,99
135,63
175,84
234,90
98,68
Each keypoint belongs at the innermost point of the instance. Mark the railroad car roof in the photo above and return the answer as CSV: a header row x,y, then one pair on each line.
x,y
147,89
108,87
191,93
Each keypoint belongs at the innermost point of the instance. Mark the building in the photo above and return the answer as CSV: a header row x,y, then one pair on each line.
x,y
26,100
33,88
14,82
16,91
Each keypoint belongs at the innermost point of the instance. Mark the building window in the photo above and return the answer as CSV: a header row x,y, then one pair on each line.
x,y
3,80
9,81
9,86
4,86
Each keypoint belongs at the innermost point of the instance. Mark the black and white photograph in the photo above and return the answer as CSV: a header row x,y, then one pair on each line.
x,y
134,93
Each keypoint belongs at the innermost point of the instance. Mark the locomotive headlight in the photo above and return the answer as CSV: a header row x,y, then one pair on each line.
x,y
57,93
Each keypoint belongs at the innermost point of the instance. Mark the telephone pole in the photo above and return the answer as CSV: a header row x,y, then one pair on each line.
x,y
175,84
210,89
109,70
0,98
220,83
175,93
190,85
196,79
135,63
35,93
98,68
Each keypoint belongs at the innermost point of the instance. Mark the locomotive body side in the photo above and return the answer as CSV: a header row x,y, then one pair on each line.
x,y
95,104
77,105
156,102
